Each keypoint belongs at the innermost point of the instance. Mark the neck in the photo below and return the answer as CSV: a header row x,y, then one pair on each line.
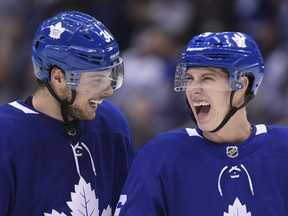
x,y
236,130
44,102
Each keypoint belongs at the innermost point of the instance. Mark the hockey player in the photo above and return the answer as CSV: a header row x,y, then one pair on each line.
x,y
66,150
226,165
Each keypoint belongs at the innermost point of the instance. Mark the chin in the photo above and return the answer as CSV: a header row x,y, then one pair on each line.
x,y
85,117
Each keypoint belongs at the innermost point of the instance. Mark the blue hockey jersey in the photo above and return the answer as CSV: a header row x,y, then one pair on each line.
x,y
44,171
180,173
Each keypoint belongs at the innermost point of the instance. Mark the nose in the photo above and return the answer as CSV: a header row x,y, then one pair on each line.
x,y
107,92
194,87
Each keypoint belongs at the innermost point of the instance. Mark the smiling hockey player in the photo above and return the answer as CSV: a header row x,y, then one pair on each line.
x,y
226,165
66,150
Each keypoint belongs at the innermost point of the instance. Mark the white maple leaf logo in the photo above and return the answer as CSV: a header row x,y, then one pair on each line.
x,y
56,31
54,213
107,211
83,202
239,40
237,209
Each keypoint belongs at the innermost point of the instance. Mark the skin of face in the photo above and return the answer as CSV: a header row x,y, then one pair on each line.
x,y
93,88
86,104
208,94
208,87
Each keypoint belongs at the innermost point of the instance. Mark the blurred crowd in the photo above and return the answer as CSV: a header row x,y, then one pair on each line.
x,y
151,35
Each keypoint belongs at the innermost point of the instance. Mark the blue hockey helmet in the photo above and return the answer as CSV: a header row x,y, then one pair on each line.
x,y
236,52
76,43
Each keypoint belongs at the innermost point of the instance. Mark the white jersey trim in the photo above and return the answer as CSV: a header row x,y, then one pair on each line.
x,y
23,108
193,132
261,128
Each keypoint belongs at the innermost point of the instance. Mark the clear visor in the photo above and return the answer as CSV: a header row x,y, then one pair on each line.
x,y
214,80
97,81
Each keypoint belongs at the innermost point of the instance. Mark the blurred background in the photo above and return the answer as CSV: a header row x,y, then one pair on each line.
x,y
151,35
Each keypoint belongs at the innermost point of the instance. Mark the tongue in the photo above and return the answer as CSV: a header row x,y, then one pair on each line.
x,y
204,110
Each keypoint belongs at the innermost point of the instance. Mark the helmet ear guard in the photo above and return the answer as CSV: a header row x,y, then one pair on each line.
x,y
234,82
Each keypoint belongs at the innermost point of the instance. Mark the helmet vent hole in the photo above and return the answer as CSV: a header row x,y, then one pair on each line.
x,y
198,41
96,59
219,44
93,59
40,38
40,60
218,56
36,45
88,37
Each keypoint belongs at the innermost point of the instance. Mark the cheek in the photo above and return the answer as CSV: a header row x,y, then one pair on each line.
x,y
84,93
222,102
188,96
81,98
188,93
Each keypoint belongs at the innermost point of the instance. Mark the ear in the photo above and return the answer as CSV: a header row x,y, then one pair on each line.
x,y
245,84
239,97
57,77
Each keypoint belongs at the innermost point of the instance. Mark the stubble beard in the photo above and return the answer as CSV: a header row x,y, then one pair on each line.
x,y
79,114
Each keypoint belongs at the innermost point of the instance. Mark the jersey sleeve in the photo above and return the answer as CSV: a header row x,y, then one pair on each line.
x,y
5,189
141,193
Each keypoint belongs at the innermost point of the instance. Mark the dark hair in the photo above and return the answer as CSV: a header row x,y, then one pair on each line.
x,y
248,92
41,83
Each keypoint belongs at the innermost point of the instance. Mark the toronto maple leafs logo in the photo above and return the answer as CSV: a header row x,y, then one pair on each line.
x,y
56,31
83,202
239,40
237,209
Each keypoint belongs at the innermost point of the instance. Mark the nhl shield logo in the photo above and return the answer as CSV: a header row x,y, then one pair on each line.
x,y
232,151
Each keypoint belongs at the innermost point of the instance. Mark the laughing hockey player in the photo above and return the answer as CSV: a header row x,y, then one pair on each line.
x,y
66,150
226,166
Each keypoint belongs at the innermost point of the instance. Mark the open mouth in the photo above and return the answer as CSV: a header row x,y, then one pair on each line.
x,y
202,107
94,103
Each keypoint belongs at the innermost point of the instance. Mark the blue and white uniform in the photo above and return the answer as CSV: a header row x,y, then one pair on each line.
x,y
182,173
44,171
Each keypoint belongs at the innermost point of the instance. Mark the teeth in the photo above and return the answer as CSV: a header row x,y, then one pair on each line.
x,y
201,103
94,102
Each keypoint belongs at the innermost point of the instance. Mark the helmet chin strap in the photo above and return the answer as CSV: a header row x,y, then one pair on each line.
x,y
231,112
64,108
